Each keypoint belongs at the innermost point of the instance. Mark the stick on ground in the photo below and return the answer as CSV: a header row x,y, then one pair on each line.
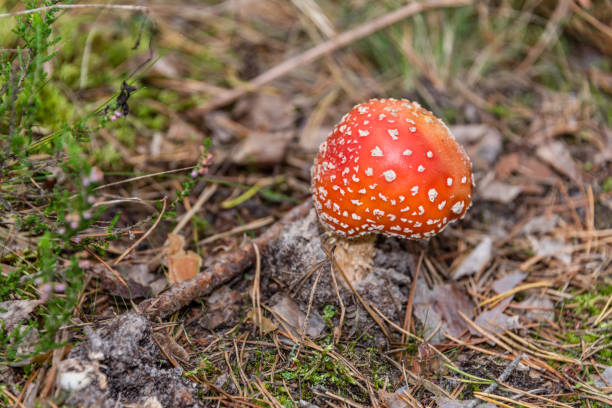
x,y
225,267
325,48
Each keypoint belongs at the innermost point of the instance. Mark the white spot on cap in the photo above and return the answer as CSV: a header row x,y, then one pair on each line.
x,y
373,186
401,198
421,168
393,133
389,175
369,171
414,190
376,152
382,197
441,205
355,178
463,180
458,207
363,109
381,116
378,213
421,210
410,121
407,152
430,154
432,194
449,181
361,191
412,129
363,132
355,216
405,209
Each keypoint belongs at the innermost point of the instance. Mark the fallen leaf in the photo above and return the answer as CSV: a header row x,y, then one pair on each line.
x,y
550,247
541,224
271,112
444,402
558,156
263,148
540,308
438,308
508,282
267,325
222,305
499,191
292,315
392,400
483,142
476,260
495,320
607,376
181,265
12,312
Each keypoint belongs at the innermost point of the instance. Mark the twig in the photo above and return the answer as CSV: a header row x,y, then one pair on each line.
x,y
502,378
408,314
76,6
552,28
325,48
116,183
253,225
144,236
225,267
206,194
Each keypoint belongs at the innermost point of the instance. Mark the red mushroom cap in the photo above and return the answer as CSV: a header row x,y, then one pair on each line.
x,y
391,167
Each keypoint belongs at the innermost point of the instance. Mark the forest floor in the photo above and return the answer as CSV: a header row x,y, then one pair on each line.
x,y
164,251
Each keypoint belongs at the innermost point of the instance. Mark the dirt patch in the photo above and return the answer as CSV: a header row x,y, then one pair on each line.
x,y
121,364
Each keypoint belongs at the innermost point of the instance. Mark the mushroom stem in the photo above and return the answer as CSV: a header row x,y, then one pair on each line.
x,y
355,257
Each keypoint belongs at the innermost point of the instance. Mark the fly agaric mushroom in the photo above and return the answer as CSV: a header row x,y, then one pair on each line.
x,y
388,167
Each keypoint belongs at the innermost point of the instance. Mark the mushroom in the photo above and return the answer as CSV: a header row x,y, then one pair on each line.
x,y
389,167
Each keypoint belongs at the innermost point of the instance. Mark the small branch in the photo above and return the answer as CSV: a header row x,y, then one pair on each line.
x,y
325,48
144,236
502,378
206,194
224,267
76,6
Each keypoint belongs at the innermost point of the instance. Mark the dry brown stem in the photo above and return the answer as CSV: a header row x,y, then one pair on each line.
x,y
325,48
225,267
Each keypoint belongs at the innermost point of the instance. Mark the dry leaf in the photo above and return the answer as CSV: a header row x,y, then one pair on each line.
x,y
508,282
540,308
495,320
607,376
181,265
558,156
14,311
482,142
551,247
292,315
263,149
542,224
499,191
444,402
438,308
267,325
476,260
392,400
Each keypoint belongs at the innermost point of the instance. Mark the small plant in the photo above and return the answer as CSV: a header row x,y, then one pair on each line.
x,y
48,170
